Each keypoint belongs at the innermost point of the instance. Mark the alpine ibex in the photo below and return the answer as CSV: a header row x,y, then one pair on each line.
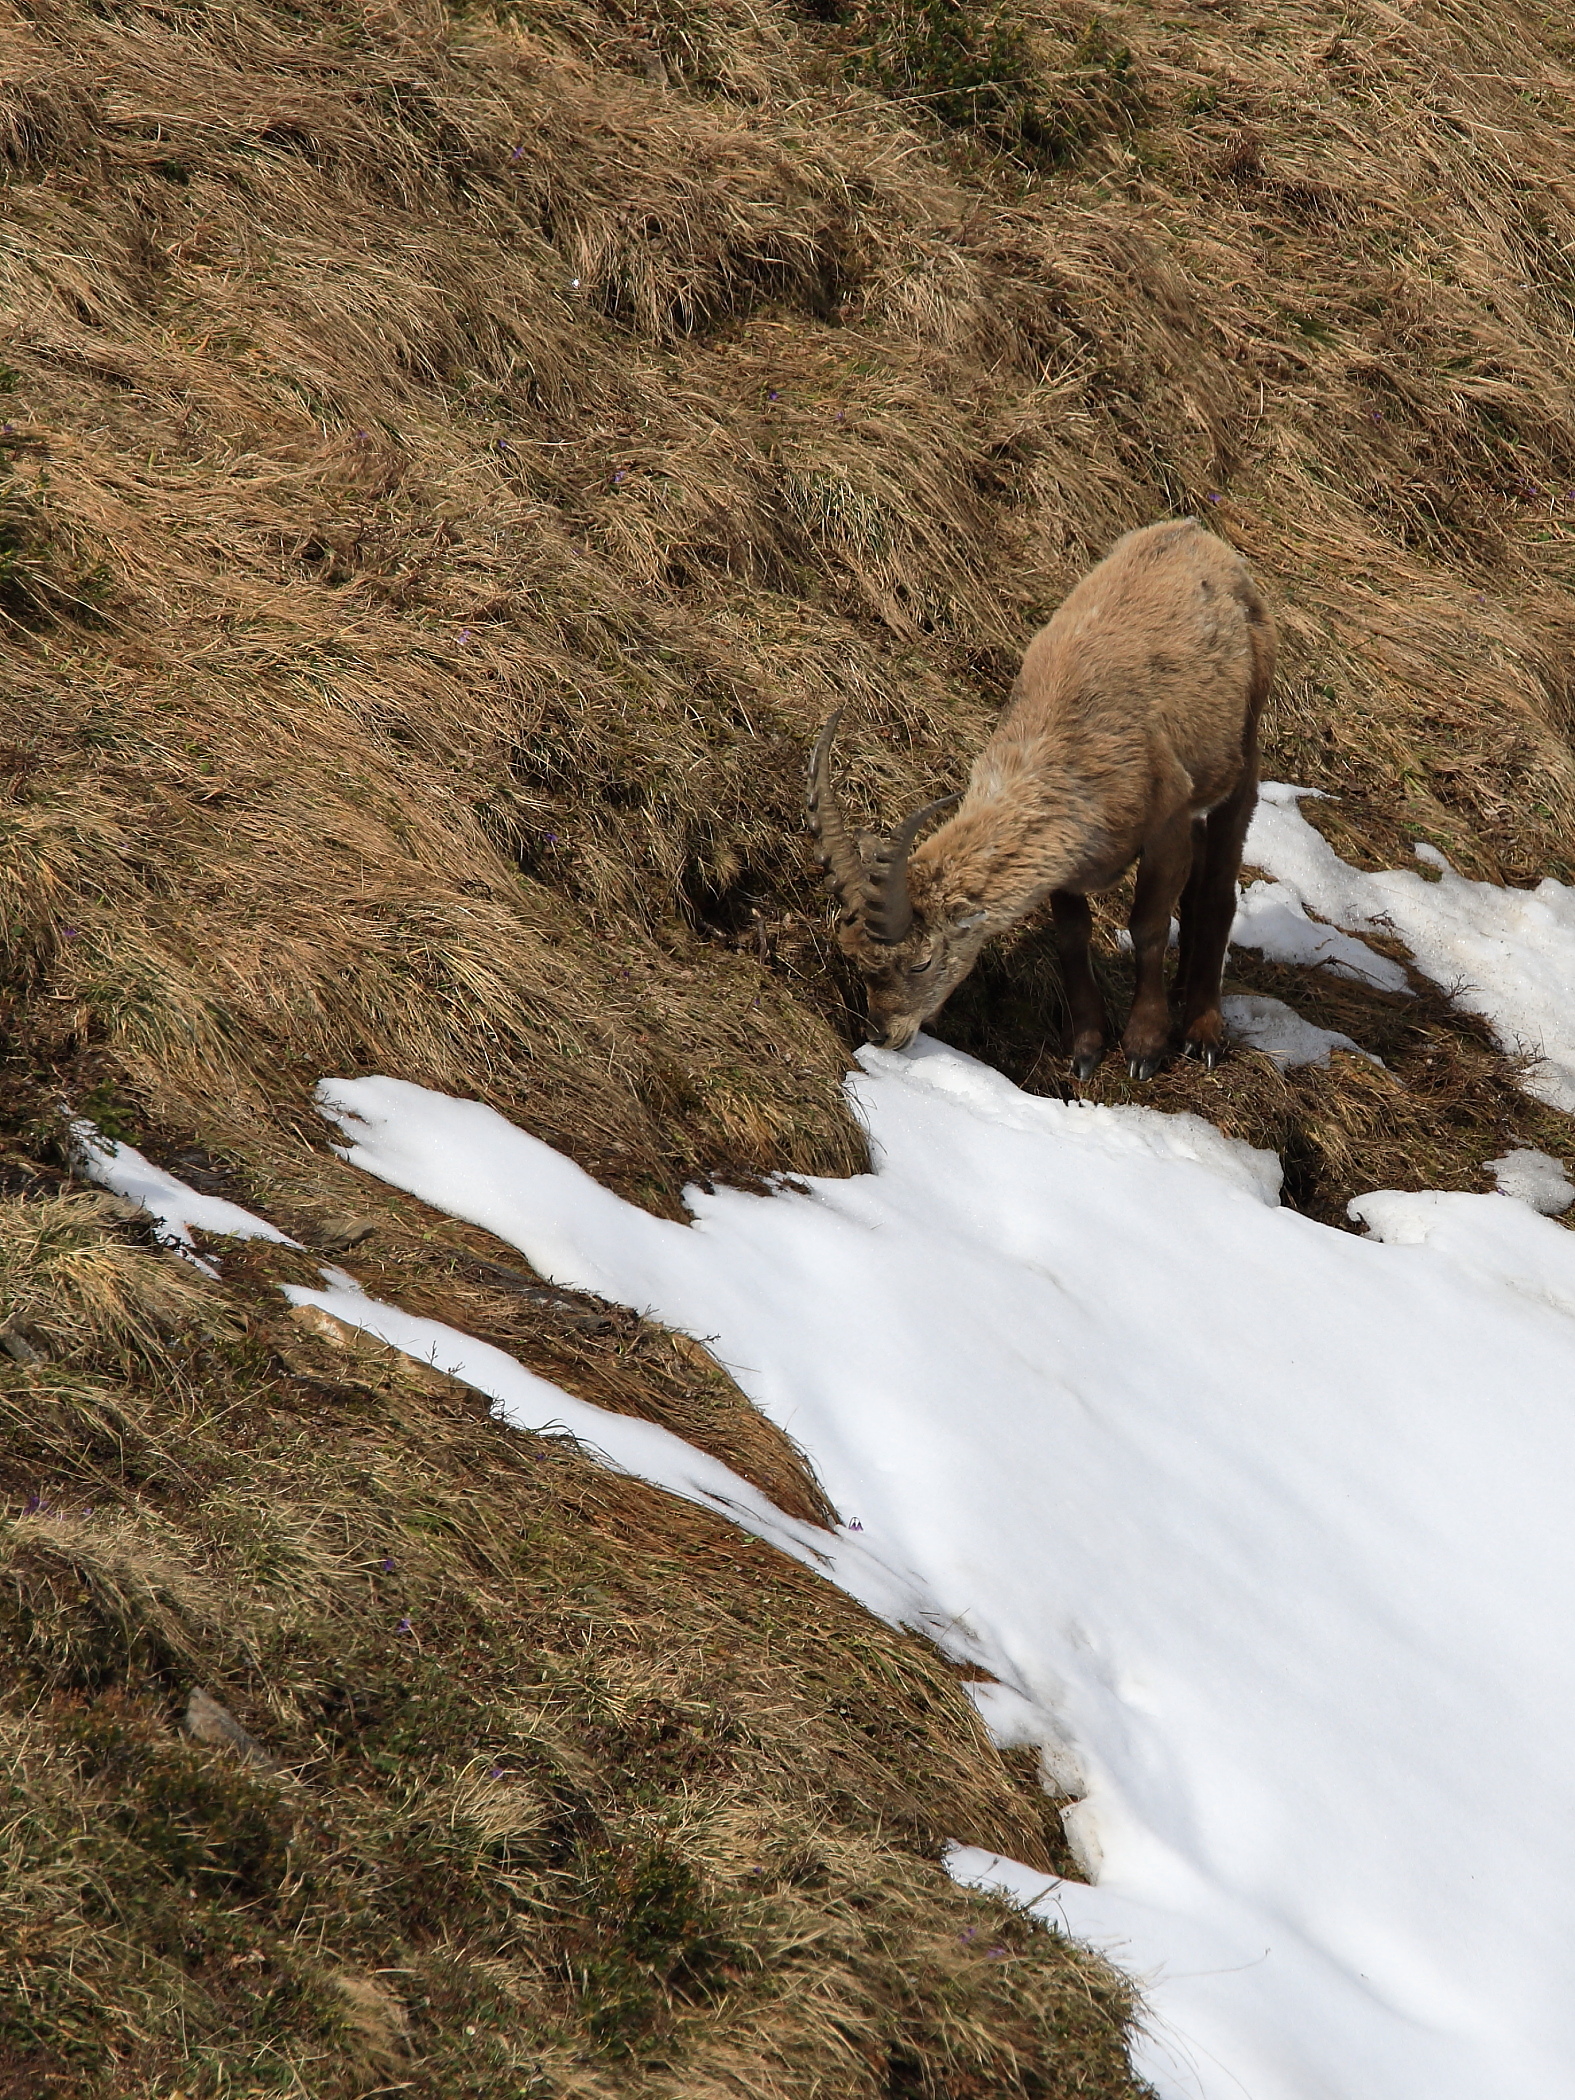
x,y
1131,734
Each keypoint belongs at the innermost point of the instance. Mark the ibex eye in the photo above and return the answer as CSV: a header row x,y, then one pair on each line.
x,y
919,968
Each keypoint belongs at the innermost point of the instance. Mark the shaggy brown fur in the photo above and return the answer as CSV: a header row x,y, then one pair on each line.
x,y
1131,734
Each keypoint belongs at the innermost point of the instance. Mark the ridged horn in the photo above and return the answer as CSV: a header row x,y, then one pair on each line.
x,y
889,913
838,854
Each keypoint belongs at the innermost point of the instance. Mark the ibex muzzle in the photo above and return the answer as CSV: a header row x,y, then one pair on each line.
x,y
1130,735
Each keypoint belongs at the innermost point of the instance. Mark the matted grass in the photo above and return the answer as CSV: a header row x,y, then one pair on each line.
x,y
456,460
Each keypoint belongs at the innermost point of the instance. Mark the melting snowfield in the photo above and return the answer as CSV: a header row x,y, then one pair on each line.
x,y
1508,955
1263,1529
1266,1527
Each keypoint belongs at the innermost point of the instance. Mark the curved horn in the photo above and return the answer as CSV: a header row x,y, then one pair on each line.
x,y
838,854
889,913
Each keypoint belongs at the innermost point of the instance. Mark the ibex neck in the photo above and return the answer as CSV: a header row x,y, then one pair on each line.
x,y
1004,852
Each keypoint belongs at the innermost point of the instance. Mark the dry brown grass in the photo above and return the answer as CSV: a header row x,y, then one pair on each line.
x,y
454,460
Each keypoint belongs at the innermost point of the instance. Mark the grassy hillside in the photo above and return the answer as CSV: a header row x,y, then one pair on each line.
x,y
453,460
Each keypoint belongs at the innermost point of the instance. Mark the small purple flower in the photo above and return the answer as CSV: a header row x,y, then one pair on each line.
x,y
388,1567
772,395
497,1772
464,636
32,1505
619,475
518,153
403,1626
996,1954
69,933
552,838
855,1525
1215,497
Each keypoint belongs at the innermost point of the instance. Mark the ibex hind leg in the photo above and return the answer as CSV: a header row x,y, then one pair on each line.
x,y
1164,867
1074,928
1188,908
1207,912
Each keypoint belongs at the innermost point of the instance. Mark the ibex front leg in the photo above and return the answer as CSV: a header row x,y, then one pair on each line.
x,y
1074,926
1166,862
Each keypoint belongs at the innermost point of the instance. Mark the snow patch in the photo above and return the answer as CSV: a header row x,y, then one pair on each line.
x,y
1266,1523
176,1210
623,1442
1271,918
1011,1721
1535,1178
1283,1034
1508,955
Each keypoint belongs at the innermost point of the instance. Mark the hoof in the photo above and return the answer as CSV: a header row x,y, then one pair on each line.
x,y
1213,1053
1142,1067
1086,1063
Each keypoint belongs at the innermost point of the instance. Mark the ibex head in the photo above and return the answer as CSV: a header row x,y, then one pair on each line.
x,y
913,946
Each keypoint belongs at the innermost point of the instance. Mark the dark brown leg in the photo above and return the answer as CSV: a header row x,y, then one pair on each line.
x,y
1074,927
1167,859
1207,913
1187,910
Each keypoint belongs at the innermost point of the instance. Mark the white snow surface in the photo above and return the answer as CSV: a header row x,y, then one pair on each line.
x,y
1280,1032
1272,918
174,1208
1264,1529
1011,1721
1536,1178
1508,955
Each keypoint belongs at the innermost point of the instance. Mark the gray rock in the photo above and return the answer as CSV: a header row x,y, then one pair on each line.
x,y
206,1721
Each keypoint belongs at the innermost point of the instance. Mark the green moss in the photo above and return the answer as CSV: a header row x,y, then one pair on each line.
x,y
42,575
663,1944
975,70
199,1819
110,1114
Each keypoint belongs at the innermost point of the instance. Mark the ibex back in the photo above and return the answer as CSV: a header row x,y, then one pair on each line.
x,y
1131,735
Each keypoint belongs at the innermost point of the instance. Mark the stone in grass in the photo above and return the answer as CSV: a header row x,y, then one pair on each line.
x,y
1535,1178
206,1721
339,1235
1283,1034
